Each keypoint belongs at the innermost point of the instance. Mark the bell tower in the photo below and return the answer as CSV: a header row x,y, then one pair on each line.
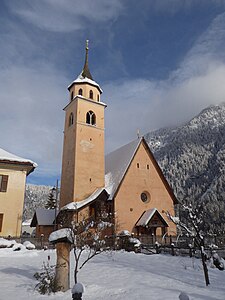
x,y
83,166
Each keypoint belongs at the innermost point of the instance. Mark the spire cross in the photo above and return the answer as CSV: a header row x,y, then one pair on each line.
x,y
87,41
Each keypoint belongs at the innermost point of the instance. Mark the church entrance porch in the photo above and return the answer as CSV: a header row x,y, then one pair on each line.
x,y
151,226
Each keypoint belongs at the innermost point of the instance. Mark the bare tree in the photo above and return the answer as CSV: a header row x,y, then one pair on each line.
x,y
194,227
89,239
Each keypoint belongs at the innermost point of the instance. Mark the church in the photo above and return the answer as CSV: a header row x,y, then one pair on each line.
x,y
126,184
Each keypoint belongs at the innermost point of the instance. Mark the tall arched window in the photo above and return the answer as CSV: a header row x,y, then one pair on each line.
x,y
90,118
71,119
71,97
80,92
91,94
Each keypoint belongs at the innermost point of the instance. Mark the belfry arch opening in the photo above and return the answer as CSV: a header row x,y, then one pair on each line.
x,y
91,118
71,119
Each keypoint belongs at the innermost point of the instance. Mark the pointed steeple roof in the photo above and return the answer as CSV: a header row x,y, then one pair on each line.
x,y
86,72
85,75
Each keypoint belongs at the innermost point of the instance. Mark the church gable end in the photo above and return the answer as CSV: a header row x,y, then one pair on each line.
x,y
143,187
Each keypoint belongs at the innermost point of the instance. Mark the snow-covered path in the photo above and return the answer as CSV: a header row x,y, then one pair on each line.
x,y
120,275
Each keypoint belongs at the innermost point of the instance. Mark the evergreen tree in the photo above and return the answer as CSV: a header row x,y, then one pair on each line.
x,y
51,202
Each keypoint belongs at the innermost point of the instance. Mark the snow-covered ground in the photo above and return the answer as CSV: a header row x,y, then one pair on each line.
x,y
120,275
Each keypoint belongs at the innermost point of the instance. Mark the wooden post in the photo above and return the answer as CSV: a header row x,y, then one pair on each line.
x,y
62,277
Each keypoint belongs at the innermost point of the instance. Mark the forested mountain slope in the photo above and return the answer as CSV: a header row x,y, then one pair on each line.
x,y
35,196
192,157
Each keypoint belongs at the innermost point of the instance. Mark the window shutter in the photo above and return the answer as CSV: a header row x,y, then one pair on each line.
x,y
4,183
1,221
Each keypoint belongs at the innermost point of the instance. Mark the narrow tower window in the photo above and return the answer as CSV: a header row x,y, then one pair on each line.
x,y
80,92
71,119
90,118
98,98
91,94
71,96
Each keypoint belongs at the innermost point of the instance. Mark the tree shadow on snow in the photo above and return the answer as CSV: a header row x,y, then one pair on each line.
x,y
26,272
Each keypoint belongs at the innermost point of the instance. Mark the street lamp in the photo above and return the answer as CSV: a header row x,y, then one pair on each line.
x,y
55,191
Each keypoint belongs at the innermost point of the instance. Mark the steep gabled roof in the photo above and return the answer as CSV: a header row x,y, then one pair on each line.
x,y
147,216
43,216
118,162
116,165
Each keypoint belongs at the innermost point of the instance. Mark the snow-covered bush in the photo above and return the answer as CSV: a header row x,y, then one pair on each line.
x,y
6,243
217,261
46,280
29,245
124,233
18,247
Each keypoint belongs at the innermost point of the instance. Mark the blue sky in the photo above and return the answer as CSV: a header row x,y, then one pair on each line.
x,y
158,62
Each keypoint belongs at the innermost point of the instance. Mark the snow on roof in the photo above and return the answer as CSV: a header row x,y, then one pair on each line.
x,y
80,204
61,234
146,217
116,164
81,79
43,216
26,222
4,155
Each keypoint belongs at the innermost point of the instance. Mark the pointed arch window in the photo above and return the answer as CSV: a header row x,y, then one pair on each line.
x,y
91,118
91,94
71,119
80,92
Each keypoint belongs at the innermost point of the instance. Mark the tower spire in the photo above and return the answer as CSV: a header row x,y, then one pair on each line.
x,y
85,72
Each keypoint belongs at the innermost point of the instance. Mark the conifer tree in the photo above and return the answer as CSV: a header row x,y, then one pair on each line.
x,y
51,202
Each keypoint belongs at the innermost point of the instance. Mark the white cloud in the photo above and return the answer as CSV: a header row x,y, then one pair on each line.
x,y
66,15
174,6
31,114
148,105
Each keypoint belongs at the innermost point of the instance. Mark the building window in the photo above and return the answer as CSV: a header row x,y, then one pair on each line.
x,y
98,98
3,183
71,119
147,167
138,165
1,221
71,96
91,94
145,197
90,118
80,92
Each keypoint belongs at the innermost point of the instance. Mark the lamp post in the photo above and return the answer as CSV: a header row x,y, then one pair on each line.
x,y
55,190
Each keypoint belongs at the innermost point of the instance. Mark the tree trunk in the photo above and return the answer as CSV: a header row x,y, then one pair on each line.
x,y
205,269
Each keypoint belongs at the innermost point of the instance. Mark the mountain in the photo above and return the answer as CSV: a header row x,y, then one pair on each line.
x,y
192,157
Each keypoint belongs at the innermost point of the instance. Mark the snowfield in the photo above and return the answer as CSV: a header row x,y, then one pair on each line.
x,y
119,275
